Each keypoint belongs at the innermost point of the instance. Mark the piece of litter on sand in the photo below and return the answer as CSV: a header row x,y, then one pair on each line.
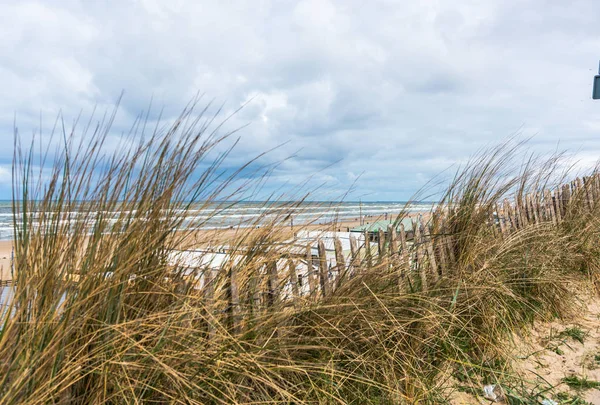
x,y
492,392
547,401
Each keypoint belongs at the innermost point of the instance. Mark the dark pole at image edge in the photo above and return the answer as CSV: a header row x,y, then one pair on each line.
x,y
596,89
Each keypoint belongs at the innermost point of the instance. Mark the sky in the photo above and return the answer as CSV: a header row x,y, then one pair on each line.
x,y
374,97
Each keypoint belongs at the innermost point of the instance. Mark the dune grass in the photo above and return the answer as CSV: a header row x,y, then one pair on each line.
x,y
101,314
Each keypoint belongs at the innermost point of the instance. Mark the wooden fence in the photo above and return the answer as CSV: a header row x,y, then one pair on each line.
x,y
420,257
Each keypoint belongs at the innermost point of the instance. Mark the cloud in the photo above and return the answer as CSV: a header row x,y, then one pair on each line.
x,y
395,91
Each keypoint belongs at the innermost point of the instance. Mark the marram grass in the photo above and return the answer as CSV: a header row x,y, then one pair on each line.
x,y
101,315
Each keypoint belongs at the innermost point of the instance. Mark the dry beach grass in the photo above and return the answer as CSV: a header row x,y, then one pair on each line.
x,y
134,329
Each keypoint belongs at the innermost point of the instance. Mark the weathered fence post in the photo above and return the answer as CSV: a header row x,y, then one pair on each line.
x,y
589,192
354,250
293,280
500,215
441,246
545,213
234,297
323,270
534,210
523,210
517,211
340,262
368,258
393,240
312,283
417,246
511,215
403,243
448,242
353,246
595,187
405,257
254,293
273,287
208,291
550,206
566,198
430,252
380,244
558,205
492,224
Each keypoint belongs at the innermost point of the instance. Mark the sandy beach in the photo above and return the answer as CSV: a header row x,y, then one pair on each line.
x,y
200,238
5,252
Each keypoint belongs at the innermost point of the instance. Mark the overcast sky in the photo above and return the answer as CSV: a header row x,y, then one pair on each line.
x,y
394,91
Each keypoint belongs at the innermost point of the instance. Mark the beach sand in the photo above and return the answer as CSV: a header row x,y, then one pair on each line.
x,y
5,252
542,357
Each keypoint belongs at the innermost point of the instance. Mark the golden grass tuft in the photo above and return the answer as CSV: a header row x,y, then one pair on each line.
x,y
100,313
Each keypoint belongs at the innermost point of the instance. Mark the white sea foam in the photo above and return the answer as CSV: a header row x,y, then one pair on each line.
x,y
216,216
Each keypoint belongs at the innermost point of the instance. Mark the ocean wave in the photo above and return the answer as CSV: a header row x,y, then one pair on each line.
x,y
213,217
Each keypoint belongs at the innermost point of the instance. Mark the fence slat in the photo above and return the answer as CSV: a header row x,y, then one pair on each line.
x,y
403,243
566,198
340,262
500,215
392,248
558,204
380,244
418,247
533,202
404,254
492,223
254,293
450,245
234,297
440,242
543,207
354,251
550,206
323,270
368,258
353,246
312,282
273,284
518,214
596,187
579,192
430,253
527,210
508,209
293,279
393,240
588,192
209,298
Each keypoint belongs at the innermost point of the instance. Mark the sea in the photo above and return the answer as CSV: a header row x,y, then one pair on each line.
x,y
244,213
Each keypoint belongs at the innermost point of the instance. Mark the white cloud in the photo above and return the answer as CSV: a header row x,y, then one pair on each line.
x,y
398,90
